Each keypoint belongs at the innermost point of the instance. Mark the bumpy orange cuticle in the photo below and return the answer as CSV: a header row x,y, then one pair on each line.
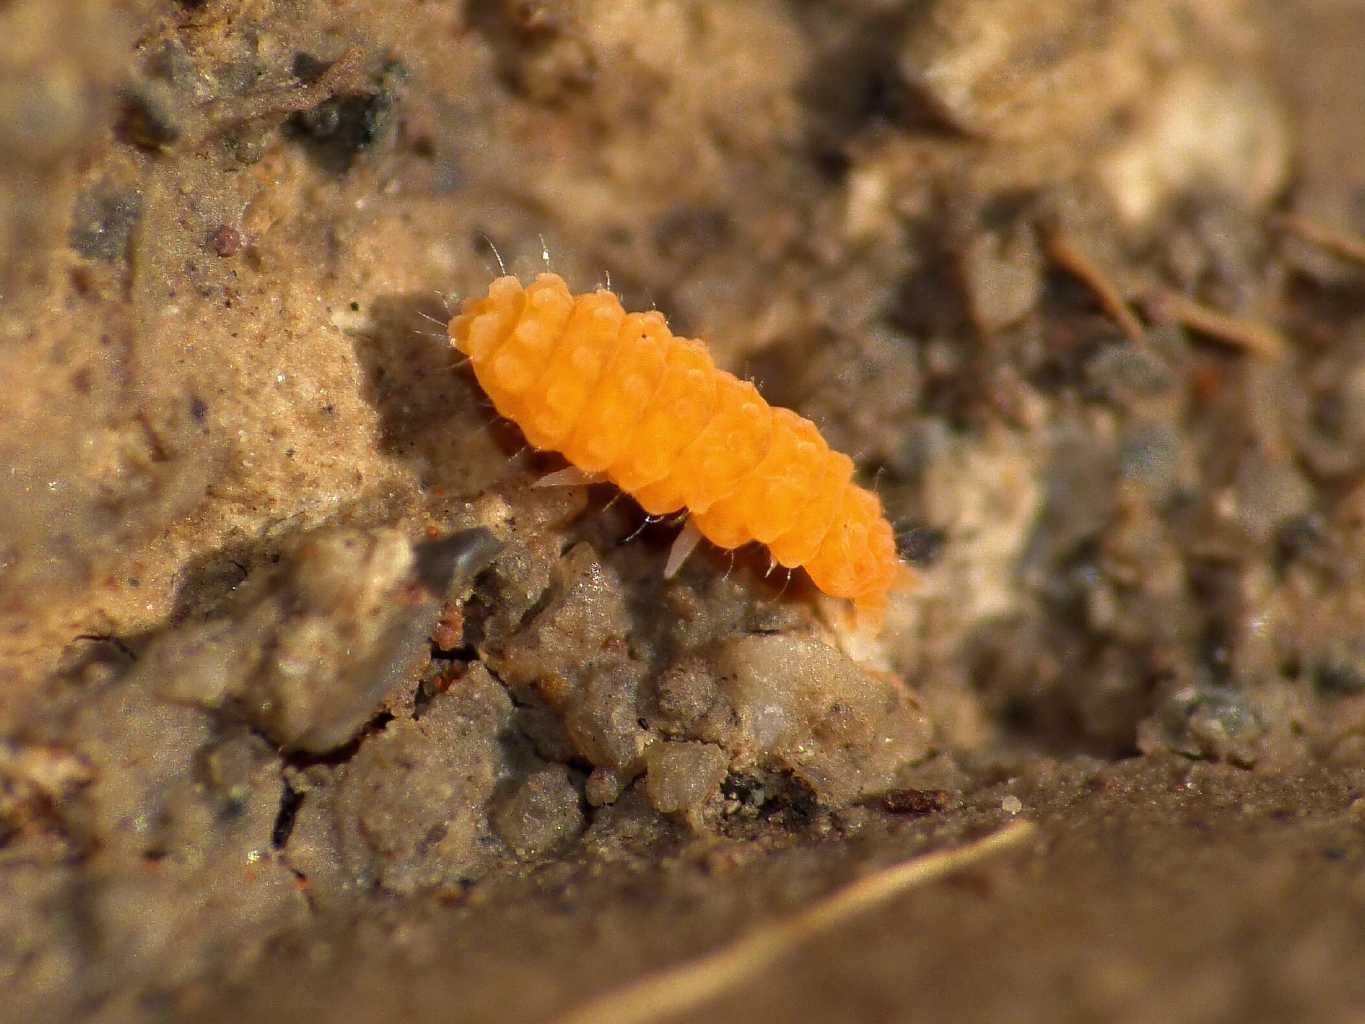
x,y
620,396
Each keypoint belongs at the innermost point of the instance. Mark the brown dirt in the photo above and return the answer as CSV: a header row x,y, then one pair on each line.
x,y
310,705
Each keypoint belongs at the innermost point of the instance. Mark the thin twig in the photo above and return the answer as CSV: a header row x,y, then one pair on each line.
x,y
1064,251
1338,243
672,991
1251,335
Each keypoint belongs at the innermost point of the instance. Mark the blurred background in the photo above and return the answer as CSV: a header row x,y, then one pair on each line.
x,y
311,703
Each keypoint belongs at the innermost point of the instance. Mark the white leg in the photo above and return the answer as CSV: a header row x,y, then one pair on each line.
x,y
683,545
569,476
648,521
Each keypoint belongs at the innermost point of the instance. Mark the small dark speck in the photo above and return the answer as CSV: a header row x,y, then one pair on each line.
x,y
921,545
225,241
307,68
289,453
329,409
133,581
290,803
914,801
145,122
198,409
643,723
339,129
1339,679
355,307
832,163
1334,853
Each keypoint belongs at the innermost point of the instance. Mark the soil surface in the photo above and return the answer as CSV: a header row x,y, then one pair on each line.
x,y
313,705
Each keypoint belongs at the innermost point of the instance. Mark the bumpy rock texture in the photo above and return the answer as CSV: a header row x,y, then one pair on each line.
x,y
300,676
